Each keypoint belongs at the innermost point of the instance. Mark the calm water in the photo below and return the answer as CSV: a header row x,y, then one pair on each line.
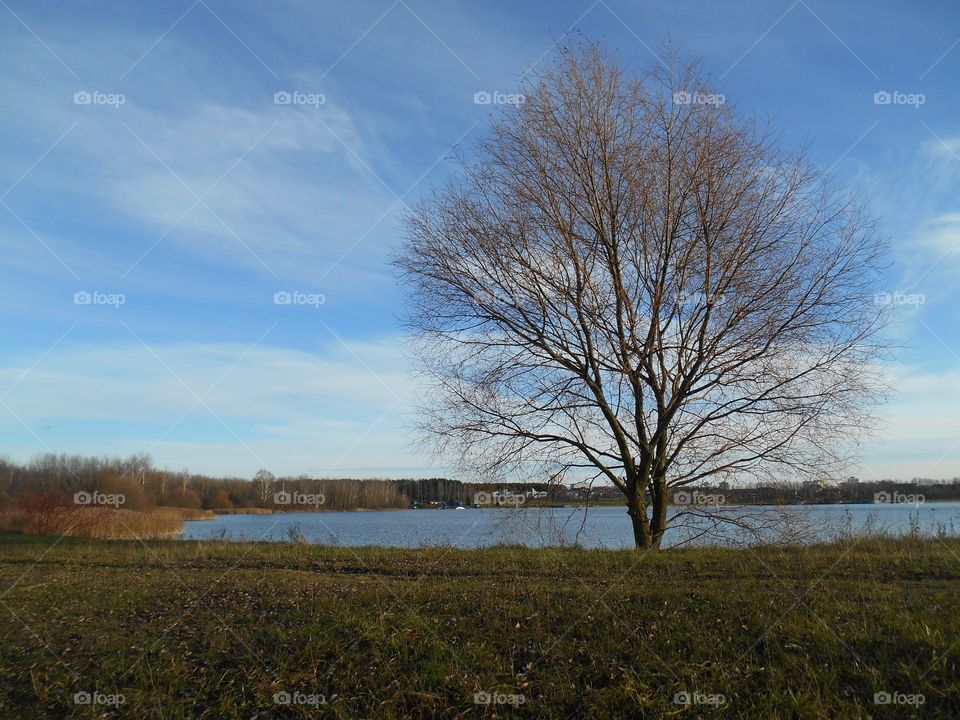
x,y
607,527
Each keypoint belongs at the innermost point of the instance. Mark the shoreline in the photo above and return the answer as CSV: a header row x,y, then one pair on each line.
x,y
558,506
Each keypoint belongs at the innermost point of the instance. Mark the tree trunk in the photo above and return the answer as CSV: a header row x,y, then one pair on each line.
x,y
661,500
637,510
648,532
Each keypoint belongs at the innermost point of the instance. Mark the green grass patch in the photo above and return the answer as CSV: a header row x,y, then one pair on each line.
x,y
217,629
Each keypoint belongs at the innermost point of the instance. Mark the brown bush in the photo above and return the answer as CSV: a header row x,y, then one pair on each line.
x,y
51,514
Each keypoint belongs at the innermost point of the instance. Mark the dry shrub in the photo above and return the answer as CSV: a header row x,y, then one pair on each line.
x,y
51,514
184,513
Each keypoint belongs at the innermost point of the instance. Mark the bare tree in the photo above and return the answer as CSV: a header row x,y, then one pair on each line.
x,y
263,483
631,281
137,466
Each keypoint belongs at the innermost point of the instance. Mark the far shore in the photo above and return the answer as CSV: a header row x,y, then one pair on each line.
x,y
213,514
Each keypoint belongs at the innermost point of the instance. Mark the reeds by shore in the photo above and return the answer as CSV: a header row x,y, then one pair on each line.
x,y
100,522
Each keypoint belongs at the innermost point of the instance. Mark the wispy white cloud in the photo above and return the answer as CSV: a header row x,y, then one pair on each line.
x,y
285,188
944,149
341,406
921,432
942,234
118,381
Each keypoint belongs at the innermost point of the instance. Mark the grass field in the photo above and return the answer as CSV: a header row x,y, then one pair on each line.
x,y
223,630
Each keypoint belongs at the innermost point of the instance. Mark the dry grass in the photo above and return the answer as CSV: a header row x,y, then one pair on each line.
x,y
101,523
185,513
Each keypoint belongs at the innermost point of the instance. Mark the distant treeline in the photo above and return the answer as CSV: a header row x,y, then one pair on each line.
x,y
134,484
445,491
105,481
877,491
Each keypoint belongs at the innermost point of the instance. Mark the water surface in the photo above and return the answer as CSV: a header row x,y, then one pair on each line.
x,y
599,527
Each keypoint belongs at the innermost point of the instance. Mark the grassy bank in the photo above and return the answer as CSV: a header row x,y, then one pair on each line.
x,y
216,630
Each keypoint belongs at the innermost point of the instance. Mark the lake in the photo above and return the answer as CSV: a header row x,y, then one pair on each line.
x,y
597,527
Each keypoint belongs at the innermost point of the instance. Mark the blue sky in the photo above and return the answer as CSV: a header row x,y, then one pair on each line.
x,y
183,189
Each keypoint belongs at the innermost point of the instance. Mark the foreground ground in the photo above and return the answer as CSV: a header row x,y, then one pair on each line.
x,y
228,630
